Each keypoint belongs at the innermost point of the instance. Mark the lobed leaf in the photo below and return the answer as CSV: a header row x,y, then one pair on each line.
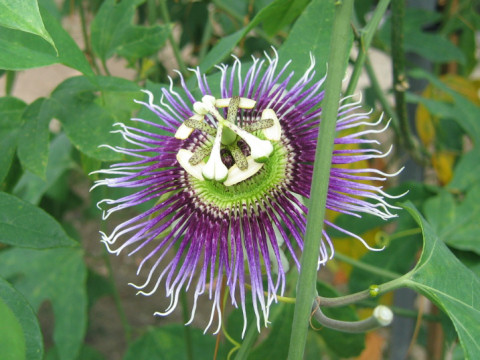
x,y
442,278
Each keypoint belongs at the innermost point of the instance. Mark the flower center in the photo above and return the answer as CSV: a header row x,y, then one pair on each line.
x,y
236,153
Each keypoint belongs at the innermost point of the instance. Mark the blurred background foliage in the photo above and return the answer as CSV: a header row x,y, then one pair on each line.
x,y
59,297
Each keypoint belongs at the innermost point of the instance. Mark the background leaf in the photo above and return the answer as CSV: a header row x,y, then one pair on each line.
x,y
23,15
33,142
23,224
90,124
167,343
297,46
456,224
437,276
31,187
57,275
20,337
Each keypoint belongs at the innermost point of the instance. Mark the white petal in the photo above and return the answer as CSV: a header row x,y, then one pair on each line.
x,y
274,132
245,103
183,132
183,157
235,175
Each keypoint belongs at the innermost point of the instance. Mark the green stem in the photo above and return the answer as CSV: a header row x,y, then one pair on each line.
x,y
400,83
363,295
367,267
247,344
220,5
207,34
176,49
152,12
10,81
306,291
186,329
391,114
364,44
86,38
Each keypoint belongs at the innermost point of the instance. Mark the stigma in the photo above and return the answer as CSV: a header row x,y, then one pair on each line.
x,y
247,147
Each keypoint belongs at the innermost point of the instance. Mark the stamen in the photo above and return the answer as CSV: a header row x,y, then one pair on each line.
x,y
200,125
240,159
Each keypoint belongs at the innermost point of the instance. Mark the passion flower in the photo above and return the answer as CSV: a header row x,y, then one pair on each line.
x,y
229,170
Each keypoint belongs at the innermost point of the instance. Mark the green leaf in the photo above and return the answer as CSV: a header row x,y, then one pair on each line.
x,y
23,224
11,110
33,144
456,225
31,187
23,15
167,343
442,278
140,41
467,171
57,275
69,53
20,50
225,46
282,14
311,33
113,32
20,335
88,118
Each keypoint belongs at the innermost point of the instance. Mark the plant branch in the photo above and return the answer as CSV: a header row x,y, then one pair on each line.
x,y
365,39
316,213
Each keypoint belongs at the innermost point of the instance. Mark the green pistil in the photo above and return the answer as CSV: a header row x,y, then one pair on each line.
x,y
228,136
250,190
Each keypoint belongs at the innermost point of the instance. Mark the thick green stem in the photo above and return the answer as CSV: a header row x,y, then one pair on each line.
x,y
364,43
306,291
176,50
152,12
186,330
